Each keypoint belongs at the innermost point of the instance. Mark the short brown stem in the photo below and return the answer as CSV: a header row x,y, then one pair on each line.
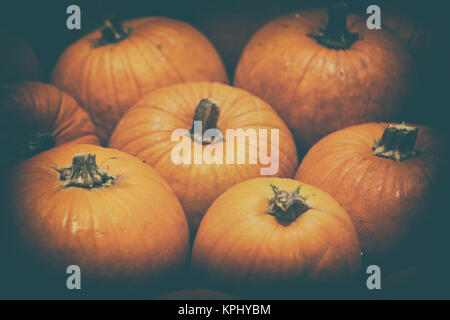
x,y
39,142
113,31
397,143
336,34
85,173
287,206
207,114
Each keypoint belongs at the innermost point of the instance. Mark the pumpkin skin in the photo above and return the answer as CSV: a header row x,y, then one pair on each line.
x,y
241,246
18,61
108,79
132,228
38,116
390,202
145,132
318,90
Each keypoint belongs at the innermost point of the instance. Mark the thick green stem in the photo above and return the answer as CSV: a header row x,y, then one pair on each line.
x,y
336,34
207,114
287,206
85,173
397,143
39,142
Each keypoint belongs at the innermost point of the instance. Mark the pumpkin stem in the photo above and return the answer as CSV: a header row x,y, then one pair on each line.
x,y
113,31
287,206
336,34
39,142
85,173
206,116
397,142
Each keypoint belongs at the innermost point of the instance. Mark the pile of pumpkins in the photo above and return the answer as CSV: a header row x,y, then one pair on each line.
x,y
91,181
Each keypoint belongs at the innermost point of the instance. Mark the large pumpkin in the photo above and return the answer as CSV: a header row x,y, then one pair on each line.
x,y
325,73
271,234
110,69
18,62
100,209
388,178
36,117
147,129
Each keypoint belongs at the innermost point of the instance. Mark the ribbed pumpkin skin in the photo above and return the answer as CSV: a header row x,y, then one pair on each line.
x,y
34,107
241,246
388,201
134,228
18,61
317,90
109,79
145,132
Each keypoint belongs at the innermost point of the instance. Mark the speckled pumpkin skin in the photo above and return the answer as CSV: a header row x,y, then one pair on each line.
x,y
390,202
318,90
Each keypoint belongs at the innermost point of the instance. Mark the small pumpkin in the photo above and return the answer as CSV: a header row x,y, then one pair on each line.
x,y
271,233
147,129
388,178
37,117
325,72
100,209
18,61
110,69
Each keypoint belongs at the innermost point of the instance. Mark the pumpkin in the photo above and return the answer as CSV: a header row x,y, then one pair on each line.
x,y
388,178
110,69
274,233
100,209
230,31
37,117
196,294
206,168
325,73
18,61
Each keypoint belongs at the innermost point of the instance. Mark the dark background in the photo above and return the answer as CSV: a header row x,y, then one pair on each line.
x,y
43,23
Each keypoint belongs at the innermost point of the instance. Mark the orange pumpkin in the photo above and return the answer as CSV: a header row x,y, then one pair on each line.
x,y
387,177
325,73
271,233
18,61
36,117
147,129
100,209
110,69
